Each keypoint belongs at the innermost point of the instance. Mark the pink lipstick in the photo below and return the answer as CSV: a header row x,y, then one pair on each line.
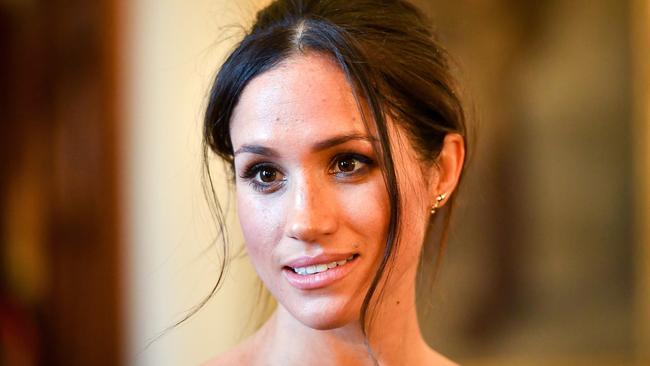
x,y
310,273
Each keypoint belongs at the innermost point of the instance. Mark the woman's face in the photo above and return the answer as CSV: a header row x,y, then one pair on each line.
x,y
311,198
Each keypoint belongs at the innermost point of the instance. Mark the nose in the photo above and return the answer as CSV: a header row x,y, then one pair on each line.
x,y
312,211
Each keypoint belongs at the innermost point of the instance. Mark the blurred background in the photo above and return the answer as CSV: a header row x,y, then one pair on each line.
x,y
106,240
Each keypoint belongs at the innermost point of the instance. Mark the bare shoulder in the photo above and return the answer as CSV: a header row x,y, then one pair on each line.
x,y
242,354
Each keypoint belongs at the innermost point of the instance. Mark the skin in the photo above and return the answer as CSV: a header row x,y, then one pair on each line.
x,y
302,198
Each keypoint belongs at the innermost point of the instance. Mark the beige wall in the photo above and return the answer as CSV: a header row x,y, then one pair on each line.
x,y
171,54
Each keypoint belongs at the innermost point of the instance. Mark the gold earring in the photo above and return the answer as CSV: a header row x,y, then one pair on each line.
x,y
439,199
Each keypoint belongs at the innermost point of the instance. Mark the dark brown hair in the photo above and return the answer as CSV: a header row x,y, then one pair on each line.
x,y
396,68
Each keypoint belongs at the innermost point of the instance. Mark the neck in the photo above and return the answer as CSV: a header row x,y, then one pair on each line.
x,y
391,340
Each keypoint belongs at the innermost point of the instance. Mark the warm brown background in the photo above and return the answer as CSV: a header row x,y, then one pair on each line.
x,y
549,262
59,284
542,265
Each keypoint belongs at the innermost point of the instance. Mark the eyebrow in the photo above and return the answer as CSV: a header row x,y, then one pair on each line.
x,y
257,149
318,146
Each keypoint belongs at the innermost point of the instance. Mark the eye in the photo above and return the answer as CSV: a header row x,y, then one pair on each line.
x,y
267,175
263,177
346,165
350,164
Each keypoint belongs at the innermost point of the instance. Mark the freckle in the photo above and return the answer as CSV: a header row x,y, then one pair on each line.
x,y
397,302
277,119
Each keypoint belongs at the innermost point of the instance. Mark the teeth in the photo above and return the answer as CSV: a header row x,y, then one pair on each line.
x,y
318,268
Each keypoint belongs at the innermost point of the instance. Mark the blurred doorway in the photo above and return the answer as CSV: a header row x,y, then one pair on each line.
x,y
59,230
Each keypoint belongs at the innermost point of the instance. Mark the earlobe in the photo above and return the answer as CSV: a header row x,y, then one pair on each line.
x,y
450,165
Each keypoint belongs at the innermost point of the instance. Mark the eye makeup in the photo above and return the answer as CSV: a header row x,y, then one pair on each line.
x,y
350,165
263,177
346,166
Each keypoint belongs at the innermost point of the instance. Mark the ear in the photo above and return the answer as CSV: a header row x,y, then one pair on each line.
x,y
449,167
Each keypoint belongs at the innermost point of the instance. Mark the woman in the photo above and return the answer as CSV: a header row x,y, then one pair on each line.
x,y
345,137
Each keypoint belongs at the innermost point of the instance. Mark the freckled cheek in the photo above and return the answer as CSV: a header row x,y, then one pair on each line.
x,y
260,229
365,209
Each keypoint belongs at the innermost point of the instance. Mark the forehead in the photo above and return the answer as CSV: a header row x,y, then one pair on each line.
x,y
304,98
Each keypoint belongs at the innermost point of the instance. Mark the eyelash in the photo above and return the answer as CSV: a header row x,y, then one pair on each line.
x,y
366,161
251,173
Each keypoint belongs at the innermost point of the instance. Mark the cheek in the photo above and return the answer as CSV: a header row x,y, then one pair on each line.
x,y
259,227
414,221
365,211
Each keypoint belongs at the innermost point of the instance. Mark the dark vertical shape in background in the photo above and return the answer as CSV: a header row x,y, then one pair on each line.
x,y
60,248
540,264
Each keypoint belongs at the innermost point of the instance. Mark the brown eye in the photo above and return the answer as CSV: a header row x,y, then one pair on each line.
x,y
350,165
347,165
267,175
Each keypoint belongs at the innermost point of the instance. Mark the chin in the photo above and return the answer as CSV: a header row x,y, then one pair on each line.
x,y
325,315
326,323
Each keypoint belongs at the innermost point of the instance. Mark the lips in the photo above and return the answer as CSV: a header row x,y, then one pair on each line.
x,y
310,273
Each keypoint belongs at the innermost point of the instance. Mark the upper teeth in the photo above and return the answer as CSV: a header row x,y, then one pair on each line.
x,y
317,268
